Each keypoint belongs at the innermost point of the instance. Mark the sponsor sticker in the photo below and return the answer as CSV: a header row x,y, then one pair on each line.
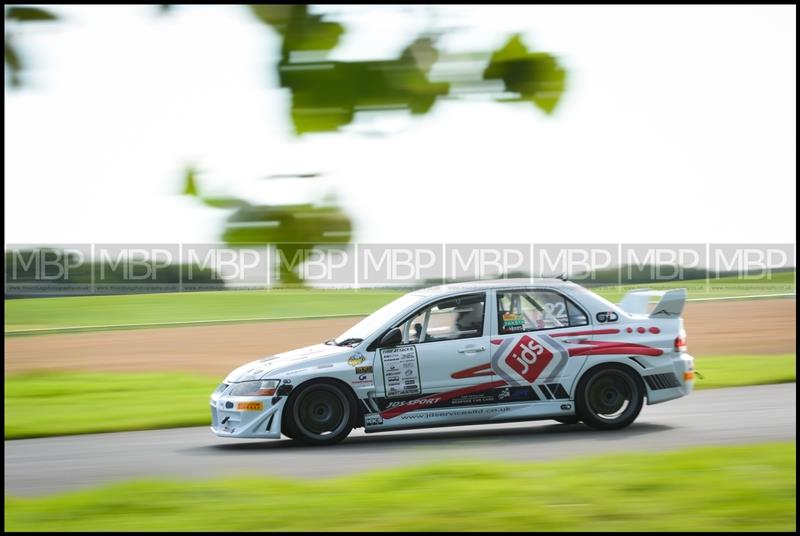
x,y
473,399
454,412
401,362
250,406
522,393
356,359
372,419
367,369
491,396
363,379
416,401
528,358
606,316
512,322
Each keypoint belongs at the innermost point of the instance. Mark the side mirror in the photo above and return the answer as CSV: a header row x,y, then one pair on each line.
x,y
392,338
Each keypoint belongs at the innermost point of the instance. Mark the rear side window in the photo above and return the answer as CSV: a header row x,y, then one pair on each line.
x,y
533,310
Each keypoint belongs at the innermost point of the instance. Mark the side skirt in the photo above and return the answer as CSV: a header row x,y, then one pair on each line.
x,y
449,416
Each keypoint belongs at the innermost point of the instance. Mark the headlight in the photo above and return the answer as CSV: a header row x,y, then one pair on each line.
x,y
255,388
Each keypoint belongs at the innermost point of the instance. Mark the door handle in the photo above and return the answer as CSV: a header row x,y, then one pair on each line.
x,y
575,339
471,349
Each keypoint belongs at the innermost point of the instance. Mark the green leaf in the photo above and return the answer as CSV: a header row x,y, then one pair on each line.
x,y
30,14
13,63
222,202
536,76
300,29
190,184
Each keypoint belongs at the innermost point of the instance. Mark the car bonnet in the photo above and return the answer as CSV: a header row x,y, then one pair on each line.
x,y
301,358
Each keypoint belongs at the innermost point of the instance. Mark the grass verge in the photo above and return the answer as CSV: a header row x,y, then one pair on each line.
x,y
742,488
62,403
98,313
738,370
95,313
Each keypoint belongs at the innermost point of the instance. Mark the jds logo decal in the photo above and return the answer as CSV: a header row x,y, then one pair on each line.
x,y
528,358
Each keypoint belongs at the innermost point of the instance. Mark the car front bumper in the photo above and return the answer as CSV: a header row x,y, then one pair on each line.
x,y
228,419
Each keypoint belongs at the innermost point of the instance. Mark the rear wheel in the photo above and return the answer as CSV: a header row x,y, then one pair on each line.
x,y
609,397
320,413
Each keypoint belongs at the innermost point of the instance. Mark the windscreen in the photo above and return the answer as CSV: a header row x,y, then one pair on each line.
x,y
368,325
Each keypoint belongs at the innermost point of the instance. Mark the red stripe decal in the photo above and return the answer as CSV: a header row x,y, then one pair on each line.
x,y
481,370
611,347
497,341
591,332
425,402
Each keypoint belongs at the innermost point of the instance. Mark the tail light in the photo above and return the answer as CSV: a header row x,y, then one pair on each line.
x,y
680,342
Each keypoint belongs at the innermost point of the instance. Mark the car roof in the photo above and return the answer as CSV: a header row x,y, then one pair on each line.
x,y
495,284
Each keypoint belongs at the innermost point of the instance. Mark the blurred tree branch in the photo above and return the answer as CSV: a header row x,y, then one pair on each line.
x,y
14,16
327,94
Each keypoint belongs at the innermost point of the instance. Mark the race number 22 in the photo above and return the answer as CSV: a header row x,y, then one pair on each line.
x,y
528,358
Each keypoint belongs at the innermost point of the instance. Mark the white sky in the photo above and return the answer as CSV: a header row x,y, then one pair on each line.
x,y
678,125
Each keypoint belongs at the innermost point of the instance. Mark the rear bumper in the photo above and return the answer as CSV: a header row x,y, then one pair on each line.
x,y
681,369
228,421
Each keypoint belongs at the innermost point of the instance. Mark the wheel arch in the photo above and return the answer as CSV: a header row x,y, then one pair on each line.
x,y
327,379
610,364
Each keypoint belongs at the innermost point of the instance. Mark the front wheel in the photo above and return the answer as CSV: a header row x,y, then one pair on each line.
x,y
609,397
320,413
568,420
288,431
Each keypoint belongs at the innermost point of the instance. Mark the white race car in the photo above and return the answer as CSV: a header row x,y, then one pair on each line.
x,y
469,353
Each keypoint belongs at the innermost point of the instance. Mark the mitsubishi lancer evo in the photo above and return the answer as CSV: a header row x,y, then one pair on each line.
x,y
469,353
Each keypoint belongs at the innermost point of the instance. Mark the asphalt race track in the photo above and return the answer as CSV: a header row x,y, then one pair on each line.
x,y
719,416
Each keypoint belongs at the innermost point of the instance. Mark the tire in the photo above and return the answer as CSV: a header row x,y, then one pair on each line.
x,y
321,412
609,397
569,420
288,431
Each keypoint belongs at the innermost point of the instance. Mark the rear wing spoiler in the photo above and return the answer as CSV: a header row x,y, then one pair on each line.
x,y
670,303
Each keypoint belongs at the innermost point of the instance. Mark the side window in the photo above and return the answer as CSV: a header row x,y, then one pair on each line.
x,y
532,310
554,308
576,316
445,320
414,327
